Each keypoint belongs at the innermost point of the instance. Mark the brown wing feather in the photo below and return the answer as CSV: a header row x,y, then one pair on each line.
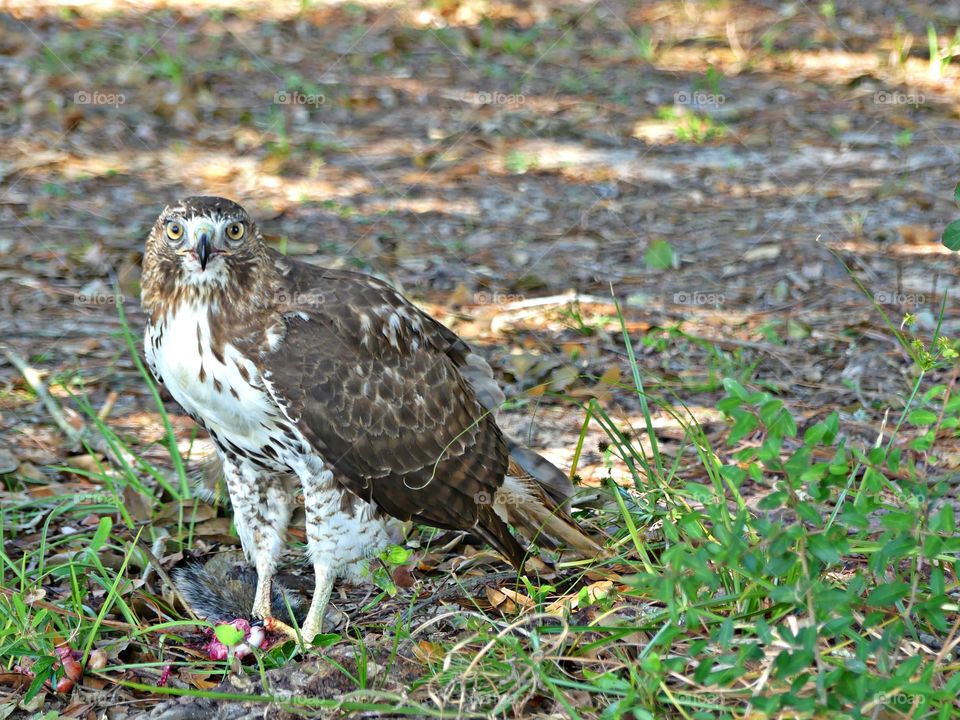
x,y
374,384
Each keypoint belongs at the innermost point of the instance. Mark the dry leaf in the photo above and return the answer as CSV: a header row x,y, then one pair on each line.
x,y
563,377
611,376
216,526
517,597
8,462
29,471
88,463
500,601
918,234
593,591
136,504
402,577
461,295
192,513
428,652
495,597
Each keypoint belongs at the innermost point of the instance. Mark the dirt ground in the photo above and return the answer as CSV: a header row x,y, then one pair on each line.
x,y
512,167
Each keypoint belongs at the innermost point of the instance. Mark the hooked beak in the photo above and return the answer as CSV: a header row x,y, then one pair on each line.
x,y
203,251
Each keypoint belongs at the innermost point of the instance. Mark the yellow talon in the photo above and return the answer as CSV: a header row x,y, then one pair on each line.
x,y
271,624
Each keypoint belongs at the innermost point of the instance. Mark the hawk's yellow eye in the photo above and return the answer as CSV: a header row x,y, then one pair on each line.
x,y
174,230
235,231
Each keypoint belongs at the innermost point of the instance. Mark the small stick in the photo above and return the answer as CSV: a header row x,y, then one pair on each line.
x,y
32,378
108,404
155,565
77,437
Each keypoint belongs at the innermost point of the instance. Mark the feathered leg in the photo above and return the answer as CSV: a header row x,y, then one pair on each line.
x,y
261,512
342,530
318,606
320,507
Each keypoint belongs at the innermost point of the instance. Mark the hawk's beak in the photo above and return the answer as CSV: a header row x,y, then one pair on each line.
x,y
203,249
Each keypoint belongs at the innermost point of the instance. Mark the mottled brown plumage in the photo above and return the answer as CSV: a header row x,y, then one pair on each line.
x,y
386,404
331,379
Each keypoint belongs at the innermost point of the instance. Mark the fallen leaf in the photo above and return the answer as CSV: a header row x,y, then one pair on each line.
x,y
563,377
192,512
518,598
402,577
917,234
611,376
29,471
8,463
136,504
495,597
501,601
90,463
461,295
427,652
585,596
216,526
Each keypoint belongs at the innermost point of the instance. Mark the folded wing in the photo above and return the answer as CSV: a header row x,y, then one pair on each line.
x,y
376,387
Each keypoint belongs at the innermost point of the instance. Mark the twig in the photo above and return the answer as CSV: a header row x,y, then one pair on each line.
x,y
78,437
32,377
155,565
458,588
108,404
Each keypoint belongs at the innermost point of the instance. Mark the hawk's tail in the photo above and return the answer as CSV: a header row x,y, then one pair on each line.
x,y
535,498
206,476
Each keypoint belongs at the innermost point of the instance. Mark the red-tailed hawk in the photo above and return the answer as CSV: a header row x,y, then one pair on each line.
x,y
331,382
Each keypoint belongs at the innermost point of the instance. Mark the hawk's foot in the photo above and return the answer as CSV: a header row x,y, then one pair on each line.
x,y
271,624
261,606
318,606
310,630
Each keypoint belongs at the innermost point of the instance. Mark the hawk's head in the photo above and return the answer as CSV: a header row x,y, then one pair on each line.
x,y
202,235
200,246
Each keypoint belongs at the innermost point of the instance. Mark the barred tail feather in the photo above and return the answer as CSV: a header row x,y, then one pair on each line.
x,y
530,507
206,476
524,462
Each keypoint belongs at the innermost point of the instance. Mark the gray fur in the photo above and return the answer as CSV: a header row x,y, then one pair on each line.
x,y
223,595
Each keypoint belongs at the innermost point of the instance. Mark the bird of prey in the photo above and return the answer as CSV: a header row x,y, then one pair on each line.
x,y
331,382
